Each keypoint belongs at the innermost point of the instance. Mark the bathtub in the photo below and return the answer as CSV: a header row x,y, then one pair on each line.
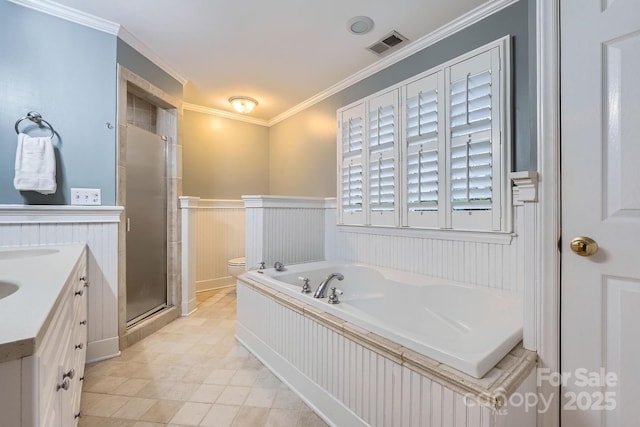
x,y
468,328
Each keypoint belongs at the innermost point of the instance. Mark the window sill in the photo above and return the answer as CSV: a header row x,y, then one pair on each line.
x,y
495,237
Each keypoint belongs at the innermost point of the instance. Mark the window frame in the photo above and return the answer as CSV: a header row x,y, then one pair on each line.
x,y
496,220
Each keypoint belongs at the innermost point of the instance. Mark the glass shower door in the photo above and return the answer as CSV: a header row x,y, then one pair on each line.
x,y
146,216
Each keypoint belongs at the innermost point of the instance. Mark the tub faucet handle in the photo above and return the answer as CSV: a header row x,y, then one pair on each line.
x,y
305,286
278,266
333,296
261,265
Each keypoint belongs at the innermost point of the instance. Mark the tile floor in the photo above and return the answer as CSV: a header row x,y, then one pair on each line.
x,y
192,372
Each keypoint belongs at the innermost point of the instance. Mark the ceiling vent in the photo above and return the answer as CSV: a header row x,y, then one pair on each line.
x,y
388,43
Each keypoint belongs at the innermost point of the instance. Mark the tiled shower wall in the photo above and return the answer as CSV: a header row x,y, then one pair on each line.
x,y
141,113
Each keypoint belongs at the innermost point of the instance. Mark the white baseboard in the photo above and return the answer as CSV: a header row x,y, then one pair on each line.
x,y
103,349
211,284
324,404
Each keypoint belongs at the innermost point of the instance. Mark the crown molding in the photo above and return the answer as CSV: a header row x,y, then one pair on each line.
x,y
441,33
103,25
70,14
146,51
223,114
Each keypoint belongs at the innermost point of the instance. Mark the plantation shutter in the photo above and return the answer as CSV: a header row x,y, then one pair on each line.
x,y
423,150
352,183
474,136
382,135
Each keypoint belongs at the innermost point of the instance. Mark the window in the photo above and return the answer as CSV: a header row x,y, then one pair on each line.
x,y
424,150
352,180
382,131
434,155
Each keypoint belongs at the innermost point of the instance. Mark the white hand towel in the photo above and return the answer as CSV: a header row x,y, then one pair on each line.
x,y
35,165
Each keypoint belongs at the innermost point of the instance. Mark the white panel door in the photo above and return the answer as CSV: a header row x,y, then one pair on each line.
x,y
600,331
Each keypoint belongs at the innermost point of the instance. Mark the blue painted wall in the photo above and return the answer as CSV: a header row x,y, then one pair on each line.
x,y
133,60
302,148
67,72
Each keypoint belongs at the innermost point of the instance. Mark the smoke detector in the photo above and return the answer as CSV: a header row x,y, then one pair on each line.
x,y
385,45
360,25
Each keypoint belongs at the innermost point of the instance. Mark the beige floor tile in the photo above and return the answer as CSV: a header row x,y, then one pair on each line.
x,y
130,387
220,416
115,422
190,414
105,406
162,411
220,376
207,393
260,397
168,390
244,377
191,371
286,399
308,418
89,421
233,395
282,418
249,416
134,408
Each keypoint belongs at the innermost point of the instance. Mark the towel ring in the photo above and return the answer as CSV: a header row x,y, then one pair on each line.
x,y
37,119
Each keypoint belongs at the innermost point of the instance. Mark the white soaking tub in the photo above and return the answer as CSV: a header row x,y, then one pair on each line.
x,y
468,328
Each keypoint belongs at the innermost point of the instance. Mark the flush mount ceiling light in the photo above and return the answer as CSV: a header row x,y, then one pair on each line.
x,y
243,104
360,25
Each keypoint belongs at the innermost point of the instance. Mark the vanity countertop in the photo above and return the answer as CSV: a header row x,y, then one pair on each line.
x,y
41,273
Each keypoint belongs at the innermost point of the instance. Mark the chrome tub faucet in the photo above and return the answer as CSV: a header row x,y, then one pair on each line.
x,y
321,292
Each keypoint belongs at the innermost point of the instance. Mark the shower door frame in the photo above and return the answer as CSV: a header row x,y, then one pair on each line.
x,y
169,123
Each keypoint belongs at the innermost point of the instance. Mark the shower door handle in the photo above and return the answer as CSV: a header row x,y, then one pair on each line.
x,y
128,225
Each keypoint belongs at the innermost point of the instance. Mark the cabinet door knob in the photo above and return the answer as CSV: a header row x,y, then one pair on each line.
x,y
83,322
70,374
64,385
78,415
79,293
79,346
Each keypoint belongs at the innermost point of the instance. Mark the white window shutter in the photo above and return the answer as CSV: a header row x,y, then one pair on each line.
x,y
351,187
423,154
474,141
382,136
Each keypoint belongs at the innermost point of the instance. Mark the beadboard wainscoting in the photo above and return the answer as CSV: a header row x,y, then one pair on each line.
x,y
294,230
286,229
213,232
97,227
497,260
351,383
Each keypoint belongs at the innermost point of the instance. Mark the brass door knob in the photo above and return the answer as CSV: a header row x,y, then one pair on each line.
x,y
584,246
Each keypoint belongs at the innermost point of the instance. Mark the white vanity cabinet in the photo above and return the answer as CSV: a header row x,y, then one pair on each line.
x,y
46,390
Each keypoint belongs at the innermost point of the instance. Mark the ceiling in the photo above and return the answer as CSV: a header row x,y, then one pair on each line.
x,y
280,52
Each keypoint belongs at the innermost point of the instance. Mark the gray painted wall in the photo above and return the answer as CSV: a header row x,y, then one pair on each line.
x,y
303,147
222,158
133,60
67,73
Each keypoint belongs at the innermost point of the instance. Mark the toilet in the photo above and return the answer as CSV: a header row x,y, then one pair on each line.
x,y
236,266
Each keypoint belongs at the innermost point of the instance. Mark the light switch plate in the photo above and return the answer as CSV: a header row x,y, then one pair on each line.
x,y
86,196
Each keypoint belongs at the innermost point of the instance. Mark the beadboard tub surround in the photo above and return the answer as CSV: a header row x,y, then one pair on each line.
x,y
504,261
354,377
95,226
213,232
284,228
